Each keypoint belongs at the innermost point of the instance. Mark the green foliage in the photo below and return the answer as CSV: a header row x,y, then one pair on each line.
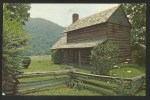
x,y
26,62
124,88
13,45
74,82
136,13
18,11
57,56
139,57
14,41
104,56
138,54
44,35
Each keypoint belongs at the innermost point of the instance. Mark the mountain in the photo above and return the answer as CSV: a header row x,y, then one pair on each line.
x,y
44,34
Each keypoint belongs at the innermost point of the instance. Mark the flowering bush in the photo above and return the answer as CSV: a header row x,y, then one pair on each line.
x,y
104,57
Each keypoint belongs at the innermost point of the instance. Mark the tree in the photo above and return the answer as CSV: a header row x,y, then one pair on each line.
x,y
104,56
13,45
18,11
136,13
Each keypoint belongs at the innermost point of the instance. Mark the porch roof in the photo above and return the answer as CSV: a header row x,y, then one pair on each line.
x,y
62,43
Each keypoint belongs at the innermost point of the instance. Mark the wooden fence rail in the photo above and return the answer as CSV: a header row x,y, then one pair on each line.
x,y
45,73
135,82
41,84
101,77
33,86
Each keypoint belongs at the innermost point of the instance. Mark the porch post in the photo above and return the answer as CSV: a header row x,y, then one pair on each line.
x,y
79,58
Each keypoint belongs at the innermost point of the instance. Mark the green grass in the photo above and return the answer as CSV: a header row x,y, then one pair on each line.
x,y
99,83
119,72
141,92
84,70
43,63
99,90
65,91
40,78
124,71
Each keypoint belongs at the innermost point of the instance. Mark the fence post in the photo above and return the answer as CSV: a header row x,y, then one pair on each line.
x,y
8,84
15,89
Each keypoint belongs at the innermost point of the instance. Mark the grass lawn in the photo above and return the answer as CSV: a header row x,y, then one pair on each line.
x,y
84,70
118,72
44,63
65,91
127,71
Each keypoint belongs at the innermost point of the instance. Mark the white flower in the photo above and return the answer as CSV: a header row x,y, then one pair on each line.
x,y
115,66
127,59
129,71
126,62
109,57
3,93
114,74
107,81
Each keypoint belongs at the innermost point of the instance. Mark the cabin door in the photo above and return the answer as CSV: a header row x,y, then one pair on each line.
x,y
75,56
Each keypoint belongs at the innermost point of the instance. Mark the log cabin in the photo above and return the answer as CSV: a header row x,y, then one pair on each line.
x,y
83,34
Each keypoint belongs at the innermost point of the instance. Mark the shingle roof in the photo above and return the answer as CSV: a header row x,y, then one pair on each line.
x,y
62,43
91,20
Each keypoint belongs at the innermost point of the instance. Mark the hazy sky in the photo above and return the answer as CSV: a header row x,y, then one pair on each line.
x,y
62,13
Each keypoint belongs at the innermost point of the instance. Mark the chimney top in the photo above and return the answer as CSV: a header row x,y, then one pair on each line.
x,y
75,17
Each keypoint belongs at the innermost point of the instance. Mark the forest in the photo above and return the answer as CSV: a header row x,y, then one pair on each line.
x,y
44,34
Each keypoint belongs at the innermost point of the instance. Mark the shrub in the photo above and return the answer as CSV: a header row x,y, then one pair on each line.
x,y
26,62
124,88
57,56
139,57
104,56
138,54
74,82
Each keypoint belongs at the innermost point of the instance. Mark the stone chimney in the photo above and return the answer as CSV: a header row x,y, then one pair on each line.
x,y
75,17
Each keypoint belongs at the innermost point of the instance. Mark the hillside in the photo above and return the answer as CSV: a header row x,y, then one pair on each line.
x,y
44,34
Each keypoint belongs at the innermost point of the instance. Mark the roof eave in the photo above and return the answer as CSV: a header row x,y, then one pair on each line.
x,y
84,27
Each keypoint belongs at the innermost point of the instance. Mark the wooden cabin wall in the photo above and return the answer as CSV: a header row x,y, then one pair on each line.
x,y
89,33
120,35
85,56
77,56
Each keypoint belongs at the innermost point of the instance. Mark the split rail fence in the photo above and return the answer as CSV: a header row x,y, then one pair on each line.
x,y
64,76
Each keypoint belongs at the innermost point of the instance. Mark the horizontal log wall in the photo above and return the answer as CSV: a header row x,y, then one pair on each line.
x,y
87,33
120,35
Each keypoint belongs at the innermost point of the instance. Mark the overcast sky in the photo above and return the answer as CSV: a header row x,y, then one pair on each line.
x,y
61,14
